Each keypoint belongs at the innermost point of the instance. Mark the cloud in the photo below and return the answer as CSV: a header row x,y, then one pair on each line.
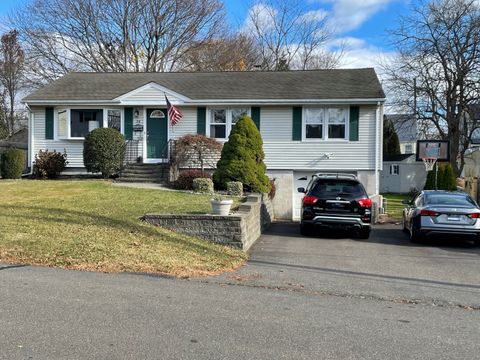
x,y
263,14
348,15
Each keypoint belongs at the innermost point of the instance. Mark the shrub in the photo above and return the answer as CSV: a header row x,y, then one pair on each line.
x,y
196,151
273,189
49,164
12,163
242,158
203,185
185,179
104,151
235,188
445,178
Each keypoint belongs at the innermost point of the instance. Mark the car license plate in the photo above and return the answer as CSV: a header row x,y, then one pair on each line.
x,y
453,218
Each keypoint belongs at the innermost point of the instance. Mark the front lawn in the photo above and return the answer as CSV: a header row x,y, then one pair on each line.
x,y
92,225
394,206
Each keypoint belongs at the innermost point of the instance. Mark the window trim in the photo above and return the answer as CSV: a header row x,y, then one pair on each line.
x,y
122,119
68,125
392,169
228,119
325,124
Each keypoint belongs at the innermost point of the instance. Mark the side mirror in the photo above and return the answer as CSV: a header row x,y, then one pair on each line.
x,y
406,202
301,190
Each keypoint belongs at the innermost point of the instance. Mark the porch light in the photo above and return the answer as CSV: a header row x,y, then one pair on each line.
x,y
136,113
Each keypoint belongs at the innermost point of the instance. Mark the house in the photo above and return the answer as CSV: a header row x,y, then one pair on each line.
x,y
402,174
407,131
310,121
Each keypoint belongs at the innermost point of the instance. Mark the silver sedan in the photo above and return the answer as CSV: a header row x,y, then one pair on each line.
x,y
440,213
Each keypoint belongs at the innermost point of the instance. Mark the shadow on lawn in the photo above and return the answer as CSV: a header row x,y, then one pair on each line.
x,y
63,216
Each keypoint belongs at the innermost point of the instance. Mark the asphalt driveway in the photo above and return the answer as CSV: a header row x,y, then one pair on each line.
x,y
386,266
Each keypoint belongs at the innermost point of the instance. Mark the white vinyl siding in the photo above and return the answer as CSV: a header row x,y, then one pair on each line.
x,y
276,123
343,154
150,95
74,148
186,125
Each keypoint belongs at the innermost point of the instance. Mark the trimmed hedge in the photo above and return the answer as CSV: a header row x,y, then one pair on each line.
x,y
12,163
203,185
49,164
185,179
235,188
104,151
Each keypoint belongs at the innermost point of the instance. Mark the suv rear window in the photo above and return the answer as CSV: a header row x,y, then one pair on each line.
x,y
327,188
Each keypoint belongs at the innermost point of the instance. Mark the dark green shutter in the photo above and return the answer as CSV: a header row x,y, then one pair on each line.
x,y
256,116
100,120
354,119
297,123
49,123
201,120
128,123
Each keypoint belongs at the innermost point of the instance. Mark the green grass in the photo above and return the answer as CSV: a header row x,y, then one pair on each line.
x,y
92,225
394,205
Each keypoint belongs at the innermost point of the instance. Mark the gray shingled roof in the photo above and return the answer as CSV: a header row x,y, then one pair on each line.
x,y
312,84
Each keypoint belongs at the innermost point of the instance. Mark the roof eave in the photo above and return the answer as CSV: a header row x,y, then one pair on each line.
x,y
213,102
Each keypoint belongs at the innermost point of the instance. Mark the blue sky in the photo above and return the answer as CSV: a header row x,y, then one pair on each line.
x,y
362,23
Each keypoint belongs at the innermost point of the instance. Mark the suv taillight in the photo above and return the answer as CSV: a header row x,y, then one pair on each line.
x,y
309,200
365,203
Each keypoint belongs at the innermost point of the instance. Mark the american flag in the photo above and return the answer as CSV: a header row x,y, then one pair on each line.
x,y
173,113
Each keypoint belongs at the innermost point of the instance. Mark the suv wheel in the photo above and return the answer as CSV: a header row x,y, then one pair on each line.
x,y
364,233
305,229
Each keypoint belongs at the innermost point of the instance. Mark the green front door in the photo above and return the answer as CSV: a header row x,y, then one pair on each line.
x,y
157,129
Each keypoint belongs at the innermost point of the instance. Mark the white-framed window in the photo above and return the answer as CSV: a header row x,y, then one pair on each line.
x,y
408,149
114,119
222,119
74,124
325,123
394,169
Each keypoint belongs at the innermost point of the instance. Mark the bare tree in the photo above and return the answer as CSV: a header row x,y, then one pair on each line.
x,y
289,37
437,73
113,35
11,73
228,53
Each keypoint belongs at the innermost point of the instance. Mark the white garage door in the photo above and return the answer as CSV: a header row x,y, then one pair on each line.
x,y
300,179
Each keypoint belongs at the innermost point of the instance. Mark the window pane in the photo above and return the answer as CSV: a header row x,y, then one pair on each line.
x,y
336,131
237,114
114,119
84,121
62,123
219,116
314,116
314,131
337,116
218,131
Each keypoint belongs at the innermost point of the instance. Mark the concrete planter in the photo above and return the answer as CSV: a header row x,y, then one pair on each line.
x,y
221,207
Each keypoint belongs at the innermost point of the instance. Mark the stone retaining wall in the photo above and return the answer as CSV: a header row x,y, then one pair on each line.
x,y
240,229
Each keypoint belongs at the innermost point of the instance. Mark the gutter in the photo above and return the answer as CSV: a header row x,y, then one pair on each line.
x,y
212,102
31,117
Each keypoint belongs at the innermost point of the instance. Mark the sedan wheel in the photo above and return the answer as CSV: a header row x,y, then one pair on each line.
x,y
415,236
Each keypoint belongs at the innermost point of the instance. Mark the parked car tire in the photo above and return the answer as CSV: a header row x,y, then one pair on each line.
x,y
364,233
415,236
305,229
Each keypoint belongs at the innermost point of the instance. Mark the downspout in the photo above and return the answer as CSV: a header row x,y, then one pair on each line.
x,y
30,140
378,137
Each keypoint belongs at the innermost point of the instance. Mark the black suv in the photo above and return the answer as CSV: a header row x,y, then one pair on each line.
x,y
336,201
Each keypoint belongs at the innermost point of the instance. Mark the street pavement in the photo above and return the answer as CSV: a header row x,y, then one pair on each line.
x,y
299,298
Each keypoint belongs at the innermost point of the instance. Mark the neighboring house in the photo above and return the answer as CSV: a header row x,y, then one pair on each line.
x,y
401,174
310,121
406,127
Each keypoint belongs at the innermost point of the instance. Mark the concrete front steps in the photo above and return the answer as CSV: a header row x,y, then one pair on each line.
x,y
144,173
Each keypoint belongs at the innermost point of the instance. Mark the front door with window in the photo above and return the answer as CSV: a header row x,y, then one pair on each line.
x,y
157,134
